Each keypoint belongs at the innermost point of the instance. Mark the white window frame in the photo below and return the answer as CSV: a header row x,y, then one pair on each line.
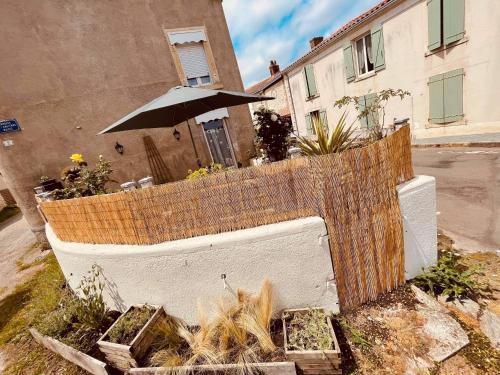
x,y
365,54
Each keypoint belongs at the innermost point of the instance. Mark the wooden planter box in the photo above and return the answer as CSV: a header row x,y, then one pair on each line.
x,y
314,362
123,357
82,360
272,368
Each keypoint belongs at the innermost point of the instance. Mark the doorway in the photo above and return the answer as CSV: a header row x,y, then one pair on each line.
x,y
218,143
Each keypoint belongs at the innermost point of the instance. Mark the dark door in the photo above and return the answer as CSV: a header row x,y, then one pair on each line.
x,y
218,143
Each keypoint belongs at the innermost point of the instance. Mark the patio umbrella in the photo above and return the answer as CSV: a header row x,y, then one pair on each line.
x,y
180,104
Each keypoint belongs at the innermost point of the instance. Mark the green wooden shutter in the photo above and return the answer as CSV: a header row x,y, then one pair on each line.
x,y
453,95
371,120
324,120
434,24
362,105
436,99
310,81
378,54
349,63
453,20
309,125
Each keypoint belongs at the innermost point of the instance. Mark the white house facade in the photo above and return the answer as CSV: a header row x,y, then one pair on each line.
x,y
446,53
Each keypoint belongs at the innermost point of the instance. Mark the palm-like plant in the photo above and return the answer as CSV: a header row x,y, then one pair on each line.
x,y
339,140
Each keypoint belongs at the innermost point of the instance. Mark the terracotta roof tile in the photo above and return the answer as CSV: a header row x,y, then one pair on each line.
x,y
262,85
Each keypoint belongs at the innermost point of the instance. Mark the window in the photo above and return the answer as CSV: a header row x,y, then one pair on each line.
x,y
446,97
370,120
310,81
370,55
192,55
194,63
446,22
315,117
364,54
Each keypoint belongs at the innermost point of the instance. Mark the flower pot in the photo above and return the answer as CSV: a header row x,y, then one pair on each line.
x,y
123,357
51,184
313,362
129,186
146,182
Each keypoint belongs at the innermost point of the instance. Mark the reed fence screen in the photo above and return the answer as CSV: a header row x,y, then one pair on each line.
x,y
354,191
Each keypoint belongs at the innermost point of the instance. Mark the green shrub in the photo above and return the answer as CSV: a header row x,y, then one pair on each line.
x,y
308,331
272,134
451,278
205,171
81,181
129,325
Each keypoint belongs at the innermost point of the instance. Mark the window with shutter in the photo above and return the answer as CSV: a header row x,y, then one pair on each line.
x,y
446,97
453,20
434,24
324,120
436,99
446,22
377,54
371,118
310,81
349,63
453,95
309,126
362,106
194,63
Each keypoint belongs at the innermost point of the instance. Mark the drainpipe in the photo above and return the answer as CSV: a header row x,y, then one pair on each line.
x,y
293,106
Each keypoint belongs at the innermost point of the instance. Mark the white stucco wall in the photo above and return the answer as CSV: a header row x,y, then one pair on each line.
x,y
279,104
417,199
294,255
408,67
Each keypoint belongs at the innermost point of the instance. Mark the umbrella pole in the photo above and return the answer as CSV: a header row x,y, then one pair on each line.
x,y
198,161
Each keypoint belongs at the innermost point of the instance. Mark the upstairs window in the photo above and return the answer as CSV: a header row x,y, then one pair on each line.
x,y
192,56
446,22
194,63
310,81
364,54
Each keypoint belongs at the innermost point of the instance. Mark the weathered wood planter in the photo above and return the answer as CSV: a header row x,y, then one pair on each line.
x,y
123,357
273,368
84,361
314,362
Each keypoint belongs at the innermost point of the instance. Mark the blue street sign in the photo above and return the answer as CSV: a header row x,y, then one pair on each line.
x,y
9,126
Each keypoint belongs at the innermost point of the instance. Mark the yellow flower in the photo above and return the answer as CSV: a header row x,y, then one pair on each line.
x,y
77,158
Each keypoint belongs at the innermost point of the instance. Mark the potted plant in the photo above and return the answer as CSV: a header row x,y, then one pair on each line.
x,y
310,341
129,338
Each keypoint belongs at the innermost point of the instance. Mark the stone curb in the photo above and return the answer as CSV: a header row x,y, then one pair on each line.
x,y
457,144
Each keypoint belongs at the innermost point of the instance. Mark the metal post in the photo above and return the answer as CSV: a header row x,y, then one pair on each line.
x,y
194,146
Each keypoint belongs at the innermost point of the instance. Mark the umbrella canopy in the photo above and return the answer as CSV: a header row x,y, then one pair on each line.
x,y
180,104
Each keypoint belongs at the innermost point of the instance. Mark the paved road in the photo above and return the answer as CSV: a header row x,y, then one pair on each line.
x,y
15,239
468,193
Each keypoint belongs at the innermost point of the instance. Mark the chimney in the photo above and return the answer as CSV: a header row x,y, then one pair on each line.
x,y
274,68
315,41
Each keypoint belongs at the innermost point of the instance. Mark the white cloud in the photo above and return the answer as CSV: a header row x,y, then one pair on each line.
x,y
280,29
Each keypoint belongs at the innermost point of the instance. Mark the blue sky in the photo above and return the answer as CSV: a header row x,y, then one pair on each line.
x,y
264,30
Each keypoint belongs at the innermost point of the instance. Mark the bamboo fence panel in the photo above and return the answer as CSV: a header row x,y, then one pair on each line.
x,y
354,191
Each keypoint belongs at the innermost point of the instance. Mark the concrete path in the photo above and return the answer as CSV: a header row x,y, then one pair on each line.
x,y
468,193
471,138
15,239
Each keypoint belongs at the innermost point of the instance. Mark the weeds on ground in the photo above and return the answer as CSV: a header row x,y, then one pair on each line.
x,y
451,278
308,330
129,325
355,334
27,306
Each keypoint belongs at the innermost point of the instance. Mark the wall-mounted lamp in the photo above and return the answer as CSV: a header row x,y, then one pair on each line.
x,y
177,134
119,148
